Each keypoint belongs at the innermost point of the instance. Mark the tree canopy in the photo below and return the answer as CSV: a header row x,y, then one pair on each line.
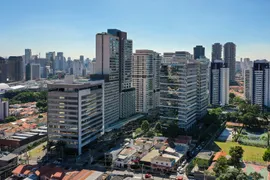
x,y
221,166
10,119
145,126
266,155
233,174
255,176
236,154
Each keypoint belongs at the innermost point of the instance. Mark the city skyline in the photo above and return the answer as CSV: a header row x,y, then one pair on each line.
x,y
163,26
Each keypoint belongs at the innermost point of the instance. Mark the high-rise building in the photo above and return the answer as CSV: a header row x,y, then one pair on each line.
x,y
202,86
167,57
15,68
77,68
178,90
219,83
28,56
127,93
146,71
198,52
3,70
229,59
261,83
75,112
60,61
35,72
28,72
50,56
107,68
82,59
4,109
248,83
216,51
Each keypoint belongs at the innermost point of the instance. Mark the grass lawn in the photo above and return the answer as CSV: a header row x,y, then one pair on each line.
x,y
37,151
251,153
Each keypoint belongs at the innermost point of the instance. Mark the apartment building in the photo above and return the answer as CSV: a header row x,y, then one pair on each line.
x,y
146,72
219,83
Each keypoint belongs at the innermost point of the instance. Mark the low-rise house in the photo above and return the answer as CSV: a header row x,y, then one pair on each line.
x,y
125,156
163,163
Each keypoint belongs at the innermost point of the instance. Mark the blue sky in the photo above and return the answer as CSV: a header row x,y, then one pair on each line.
x,y
70,26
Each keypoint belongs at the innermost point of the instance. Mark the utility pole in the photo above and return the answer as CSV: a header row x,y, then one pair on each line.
x,y
142,171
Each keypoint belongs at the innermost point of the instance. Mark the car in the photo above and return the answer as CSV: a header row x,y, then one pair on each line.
x,y
147,176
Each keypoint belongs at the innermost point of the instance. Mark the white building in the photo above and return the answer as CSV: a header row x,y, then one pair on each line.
x,y
146,71
261,83
75,112
35,71
77,68
219,83
4,109
178,90
202,86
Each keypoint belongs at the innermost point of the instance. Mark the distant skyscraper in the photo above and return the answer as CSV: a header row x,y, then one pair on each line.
x,y
50,56
15,68
219,83
229,59
216,51
167,57
82,59
35,71
198,52
28,72
261,83
146,70
127,93
60,61
77,68
3,70
28,56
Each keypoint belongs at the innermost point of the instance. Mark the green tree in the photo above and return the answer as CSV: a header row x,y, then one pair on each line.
x,y
232,95
255,176
266,155
236,154
145,126
221,166
10,119
158,127
138,131
150,133
172,131
233,174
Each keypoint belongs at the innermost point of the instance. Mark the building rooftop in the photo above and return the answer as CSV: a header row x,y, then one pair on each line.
x,y
205,154
148,157
164,159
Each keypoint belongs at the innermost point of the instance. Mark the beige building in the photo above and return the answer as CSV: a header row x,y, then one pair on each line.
x,y
146,71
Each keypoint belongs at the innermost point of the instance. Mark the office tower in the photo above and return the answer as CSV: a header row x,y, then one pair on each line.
x,y
219,83
107,68
60,61
229,59
28,56
167,57
202,86
178,90
3,70
69,64
198,52
77,68
4,109
28,72
92,66
238,67
261,83
35,71
145,77
75,112
15,68
84,72
127,93
216,51
50,56
82,59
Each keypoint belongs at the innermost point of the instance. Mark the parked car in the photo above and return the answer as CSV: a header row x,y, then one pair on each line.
x,y
147,176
